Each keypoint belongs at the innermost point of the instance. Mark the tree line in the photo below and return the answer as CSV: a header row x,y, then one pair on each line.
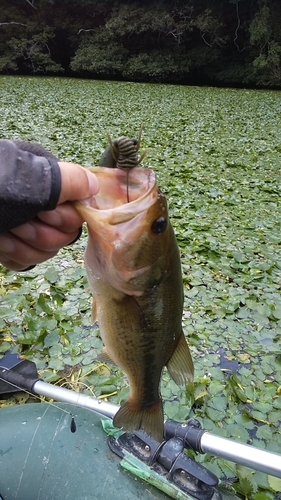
x,y
219,42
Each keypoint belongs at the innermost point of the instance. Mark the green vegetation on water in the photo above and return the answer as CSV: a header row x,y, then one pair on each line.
x,y
217,154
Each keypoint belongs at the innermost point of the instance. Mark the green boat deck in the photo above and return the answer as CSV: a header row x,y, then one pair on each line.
x,y
41,459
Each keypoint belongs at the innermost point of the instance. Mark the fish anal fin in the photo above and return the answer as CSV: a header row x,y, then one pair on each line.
x,y
104,357
150,419
180,365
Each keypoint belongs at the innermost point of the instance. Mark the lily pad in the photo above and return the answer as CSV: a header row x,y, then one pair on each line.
x,y
221,175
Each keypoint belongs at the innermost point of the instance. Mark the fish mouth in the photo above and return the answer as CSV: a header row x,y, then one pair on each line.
x,y
110,205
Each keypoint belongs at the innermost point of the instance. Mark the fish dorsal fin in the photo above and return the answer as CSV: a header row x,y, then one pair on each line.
x,y
180,365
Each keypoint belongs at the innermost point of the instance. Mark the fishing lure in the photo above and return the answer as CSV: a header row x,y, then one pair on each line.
x,y
123,153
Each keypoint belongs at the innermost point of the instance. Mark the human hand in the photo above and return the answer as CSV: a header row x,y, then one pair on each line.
x,y
41,238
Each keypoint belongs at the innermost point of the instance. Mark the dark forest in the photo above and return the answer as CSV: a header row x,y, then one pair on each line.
x,y
202,42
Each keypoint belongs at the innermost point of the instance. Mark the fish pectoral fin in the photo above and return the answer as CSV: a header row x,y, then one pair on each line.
x,y
105,358
94,311
180,365
149,418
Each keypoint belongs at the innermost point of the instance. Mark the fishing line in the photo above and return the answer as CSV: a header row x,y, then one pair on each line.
x,y
72,423
128,186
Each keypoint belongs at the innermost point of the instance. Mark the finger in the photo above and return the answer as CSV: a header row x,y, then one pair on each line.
x,y
15,266
64,217
41,236
16,254
77,183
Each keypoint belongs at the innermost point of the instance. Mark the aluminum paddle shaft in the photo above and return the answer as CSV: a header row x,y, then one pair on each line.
x,y
75,398
243,454
250,456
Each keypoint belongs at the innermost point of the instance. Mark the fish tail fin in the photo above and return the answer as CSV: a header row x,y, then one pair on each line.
x,y
180,365
150,418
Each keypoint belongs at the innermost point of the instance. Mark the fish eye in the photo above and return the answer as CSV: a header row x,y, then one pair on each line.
x,y
159,225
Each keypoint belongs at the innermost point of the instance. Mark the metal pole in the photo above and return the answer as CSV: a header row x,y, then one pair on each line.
x,y
244,454
250,456
72,397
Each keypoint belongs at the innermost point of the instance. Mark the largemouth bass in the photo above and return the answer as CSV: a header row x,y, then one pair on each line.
x,y
134,271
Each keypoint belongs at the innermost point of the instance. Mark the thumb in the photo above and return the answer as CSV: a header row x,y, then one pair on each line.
x,y
77,183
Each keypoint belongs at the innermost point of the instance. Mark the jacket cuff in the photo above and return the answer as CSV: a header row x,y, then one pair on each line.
x,y
55,184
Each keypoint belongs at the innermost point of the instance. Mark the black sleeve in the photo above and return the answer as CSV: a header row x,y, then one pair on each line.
x,y
30,181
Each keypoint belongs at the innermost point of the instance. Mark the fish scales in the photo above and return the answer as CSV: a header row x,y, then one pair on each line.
x,y
134,271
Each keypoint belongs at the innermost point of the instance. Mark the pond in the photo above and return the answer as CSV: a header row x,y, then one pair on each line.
x,y
217,154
